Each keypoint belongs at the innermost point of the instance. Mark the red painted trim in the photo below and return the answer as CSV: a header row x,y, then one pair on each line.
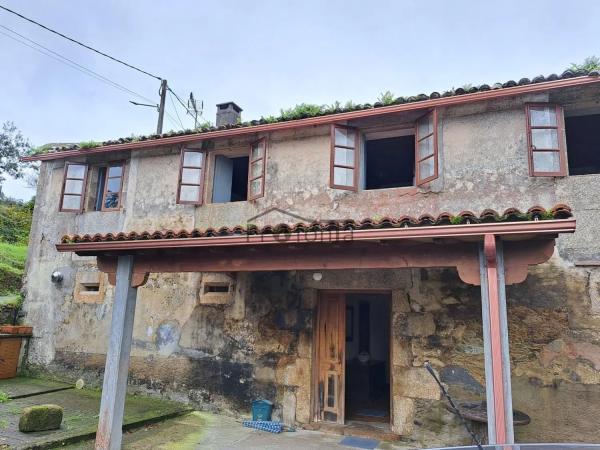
x,y
444,231
560,131
332,165
489,249
326,120
202,168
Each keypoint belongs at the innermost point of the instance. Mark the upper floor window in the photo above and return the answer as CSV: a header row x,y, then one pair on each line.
x,y
545,140
583,142
406,155
191,177
113,186
240,175
73,187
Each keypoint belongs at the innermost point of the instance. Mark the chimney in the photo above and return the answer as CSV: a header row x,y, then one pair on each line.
x,y
228,114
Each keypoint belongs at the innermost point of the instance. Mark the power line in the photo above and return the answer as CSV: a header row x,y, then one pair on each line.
x,y
80,43
180,101
175,108
69,62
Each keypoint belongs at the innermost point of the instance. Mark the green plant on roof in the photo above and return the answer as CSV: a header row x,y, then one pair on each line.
x,y
456,220
4,397
590,63
269,119
89,144
301,111
387,98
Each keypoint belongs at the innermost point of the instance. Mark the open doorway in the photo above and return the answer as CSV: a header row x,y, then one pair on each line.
x,y
367,396
352,365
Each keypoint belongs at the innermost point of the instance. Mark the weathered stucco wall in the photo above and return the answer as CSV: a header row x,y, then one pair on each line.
x,y
260,344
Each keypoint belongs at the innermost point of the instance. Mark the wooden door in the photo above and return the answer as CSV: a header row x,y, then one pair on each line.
x,y
331,342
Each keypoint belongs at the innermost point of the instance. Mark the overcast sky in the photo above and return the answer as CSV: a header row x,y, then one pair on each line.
x,y
267,55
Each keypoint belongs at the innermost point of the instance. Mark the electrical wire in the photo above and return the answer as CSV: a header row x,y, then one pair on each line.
x,y
69,62
175,108
180,101
80,43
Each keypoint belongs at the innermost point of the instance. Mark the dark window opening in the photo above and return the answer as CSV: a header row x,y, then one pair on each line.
x,y
583,144
90,287
390,162
100,188
216,288
230,179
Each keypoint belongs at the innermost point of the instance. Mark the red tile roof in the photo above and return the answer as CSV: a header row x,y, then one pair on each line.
x,y
534,213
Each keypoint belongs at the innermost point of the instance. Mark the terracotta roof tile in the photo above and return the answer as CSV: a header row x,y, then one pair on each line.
x,y
559,211
335,109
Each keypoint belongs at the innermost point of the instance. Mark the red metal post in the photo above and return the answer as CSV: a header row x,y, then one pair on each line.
x,y
495,333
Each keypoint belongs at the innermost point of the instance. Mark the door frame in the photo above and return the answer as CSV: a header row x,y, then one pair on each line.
x,y
314,401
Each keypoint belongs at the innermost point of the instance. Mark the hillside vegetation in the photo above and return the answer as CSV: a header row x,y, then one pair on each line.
x,y
15,222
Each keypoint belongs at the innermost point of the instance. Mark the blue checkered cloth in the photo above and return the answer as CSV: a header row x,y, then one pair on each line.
x,y
264,425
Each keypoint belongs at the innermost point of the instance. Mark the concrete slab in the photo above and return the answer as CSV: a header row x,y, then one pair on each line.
x,y
80,417
24,386
200,430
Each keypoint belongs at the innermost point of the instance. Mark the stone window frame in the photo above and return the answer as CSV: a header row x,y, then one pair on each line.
x,y
560,130
200,200
81,195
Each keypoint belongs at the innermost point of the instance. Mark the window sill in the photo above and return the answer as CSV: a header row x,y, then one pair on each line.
x,y
403,189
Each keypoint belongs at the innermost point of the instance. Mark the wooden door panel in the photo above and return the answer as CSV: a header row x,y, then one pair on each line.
x,y
331,344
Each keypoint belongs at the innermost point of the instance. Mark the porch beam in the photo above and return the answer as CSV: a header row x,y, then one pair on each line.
x,y
110,422
495,338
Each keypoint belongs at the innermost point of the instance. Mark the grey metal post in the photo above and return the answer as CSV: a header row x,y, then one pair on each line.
x,y
508,409
110,422
487,346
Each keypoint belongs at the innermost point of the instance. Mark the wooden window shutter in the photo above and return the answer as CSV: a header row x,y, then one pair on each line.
x,y
256,169
73,189
190,189
344,170
545,140
426,148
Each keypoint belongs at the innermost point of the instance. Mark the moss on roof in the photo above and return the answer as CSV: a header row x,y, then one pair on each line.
x,y
304,111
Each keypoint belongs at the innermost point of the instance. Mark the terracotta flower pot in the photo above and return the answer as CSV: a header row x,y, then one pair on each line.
x,y
10,329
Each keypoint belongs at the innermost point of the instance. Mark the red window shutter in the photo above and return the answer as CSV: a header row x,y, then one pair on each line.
x,y
190,189
426,148
73,189
257,169
545,140
344,167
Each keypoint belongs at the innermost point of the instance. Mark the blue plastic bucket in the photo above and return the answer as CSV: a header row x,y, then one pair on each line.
x,y
261,410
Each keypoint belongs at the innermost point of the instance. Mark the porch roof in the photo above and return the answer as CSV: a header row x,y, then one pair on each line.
x,y
445,241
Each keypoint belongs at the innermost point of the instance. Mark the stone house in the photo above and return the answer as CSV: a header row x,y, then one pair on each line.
x,y
240,307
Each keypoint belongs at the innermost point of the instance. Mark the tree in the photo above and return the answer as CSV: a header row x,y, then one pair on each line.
x,y
12,147
590,63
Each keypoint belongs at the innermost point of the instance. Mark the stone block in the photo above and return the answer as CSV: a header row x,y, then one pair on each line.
x,y
264,374
418,325
303,403
40,418
305,345
415,382
401,352
400,302
404,415
309,298
296,374
289,407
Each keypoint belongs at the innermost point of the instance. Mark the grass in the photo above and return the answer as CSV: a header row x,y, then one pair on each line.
x,y
4,397
12,266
